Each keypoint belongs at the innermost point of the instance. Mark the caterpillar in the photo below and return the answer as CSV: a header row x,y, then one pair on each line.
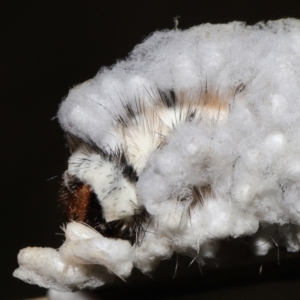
x,y
191,140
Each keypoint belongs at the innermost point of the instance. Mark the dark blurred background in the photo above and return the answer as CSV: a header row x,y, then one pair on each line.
x,y
47,47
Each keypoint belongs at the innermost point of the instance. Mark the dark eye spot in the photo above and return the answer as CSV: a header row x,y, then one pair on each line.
x,y
130,173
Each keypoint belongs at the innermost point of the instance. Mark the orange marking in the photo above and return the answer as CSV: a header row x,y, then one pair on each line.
x,y
78,203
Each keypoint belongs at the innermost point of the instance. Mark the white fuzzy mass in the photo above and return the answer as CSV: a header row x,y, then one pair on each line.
x,y
229,136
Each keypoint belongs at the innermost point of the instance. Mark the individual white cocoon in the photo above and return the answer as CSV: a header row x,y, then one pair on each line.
x,y
84,245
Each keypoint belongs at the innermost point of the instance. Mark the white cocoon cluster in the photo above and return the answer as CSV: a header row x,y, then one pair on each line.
x,y
248,154
85,260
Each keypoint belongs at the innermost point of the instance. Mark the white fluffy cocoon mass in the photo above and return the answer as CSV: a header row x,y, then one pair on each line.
x,y
221,159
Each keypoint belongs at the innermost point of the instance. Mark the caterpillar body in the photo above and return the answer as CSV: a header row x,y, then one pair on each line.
x,y
191,140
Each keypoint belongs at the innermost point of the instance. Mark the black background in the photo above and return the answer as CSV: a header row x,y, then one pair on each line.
x,y
47,47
